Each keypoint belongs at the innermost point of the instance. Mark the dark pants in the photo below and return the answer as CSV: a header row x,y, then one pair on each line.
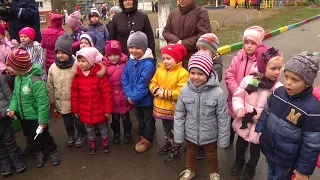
x,y
127,124
44,141
276,172
71,122
258,7
168,127
241,147
232,133
147,125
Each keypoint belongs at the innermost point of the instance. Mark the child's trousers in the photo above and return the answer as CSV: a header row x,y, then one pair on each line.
x,y
72,123
211,155
168,127
147,125
278,172
91,130
241,147
127,124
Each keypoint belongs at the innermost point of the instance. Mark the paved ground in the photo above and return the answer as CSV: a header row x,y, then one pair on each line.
x,y
124,163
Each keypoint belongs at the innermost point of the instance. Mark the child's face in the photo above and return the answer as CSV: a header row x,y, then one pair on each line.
x,y
136,52
1,37
14,72
249,47
273,69
293,83
94,19
62,56
24,39
204,49
83,63
114,58
198,77
168,61
84,43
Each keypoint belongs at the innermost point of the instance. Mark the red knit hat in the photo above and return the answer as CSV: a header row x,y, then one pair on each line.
x,y
113,47
176,51
263,54
202,61
31,33
19,59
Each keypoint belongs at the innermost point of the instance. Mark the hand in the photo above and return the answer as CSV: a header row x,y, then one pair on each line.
x,y
179,42
107,115
43,125
300,176
259,133
76,115
159,93
241,113
256,118
129,100
10,113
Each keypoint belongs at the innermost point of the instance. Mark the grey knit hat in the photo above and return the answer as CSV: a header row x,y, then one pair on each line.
x,y
64,43
138,39
305,65
210,41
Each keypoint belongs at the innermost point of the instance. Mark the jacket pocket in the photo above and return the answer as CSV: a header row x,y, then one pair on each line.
x,y
208,109
190,106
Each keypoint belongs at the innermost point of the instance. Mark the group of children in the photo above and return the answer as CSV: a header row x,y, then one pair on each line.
x,y
86,89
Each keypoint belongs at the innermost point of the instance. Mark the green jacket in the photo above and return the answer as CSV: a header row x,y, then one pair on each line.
x,y
29,98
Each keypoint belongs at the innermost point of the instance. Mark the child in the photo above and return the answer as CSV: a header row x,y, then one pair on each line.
x,y
240,67
115,61
49,38
88,39
135,79
30,101
6,46
100,30
251,96
77,28
165,86
91,98
289,125
60,76
9,152
201,115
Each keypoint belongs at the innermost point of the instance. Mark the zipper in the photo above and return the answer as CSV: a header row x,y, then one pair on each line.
x,y
245,69
21,98
199,103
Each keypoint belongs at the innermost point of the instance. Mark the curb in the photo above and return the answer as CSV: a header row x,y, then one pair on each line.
x,y
238,45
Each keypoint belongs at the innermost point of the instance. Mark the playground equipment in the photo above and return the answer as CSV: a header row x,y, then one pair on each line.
x,y
233,22
216,22
255,11
266,4
246,16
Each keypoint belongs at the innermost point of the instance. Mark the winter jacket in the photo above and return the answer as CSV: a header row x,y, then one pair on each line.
x,y
239,68
91,96
23,13
290,127
187,24
29,99
49,38
59,87
114,73
135,79
241,99
101,33
138,21
171,81
75,35
6,47
201,114
5,97
36,53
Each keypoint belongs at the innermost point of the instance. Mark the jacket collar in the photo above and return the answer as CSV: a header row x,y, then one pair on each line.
x,y
147,54
176,66
189,7
307,92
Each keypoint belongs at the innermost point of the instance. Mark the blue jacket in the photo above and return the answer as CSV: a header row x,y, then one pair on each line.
x,y
135,79
101,33
290,127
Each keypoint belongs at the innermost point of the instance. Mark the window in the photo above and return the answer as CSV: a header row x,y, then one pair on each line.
x,y
42,18
40,4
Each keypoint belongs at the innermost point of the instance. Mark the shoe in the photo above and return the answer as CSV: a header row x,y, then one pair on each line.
x,y
18,165
143,145
40,159
174,153
70,141
127,138
55,159
116,139
187,175
105,146
92,148
214,176
166,148
201,155
80,141
248,173
237,168
6,168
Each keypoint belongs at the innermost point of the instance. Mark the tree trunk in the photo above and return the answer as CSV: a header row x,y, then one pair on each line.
x,y
164,10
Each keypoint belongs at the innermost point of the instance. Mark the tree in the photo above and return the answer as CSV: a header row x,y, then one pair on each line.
x,y
67,4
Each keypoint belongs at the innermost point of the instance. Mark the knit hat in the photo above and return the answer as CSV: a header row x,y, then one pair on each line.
x,y
91,54
255,34
176,51
139,40
201,60
94,12
305,65
64,43
210,41
31,33
90,37
116,9
263,54
2,30
113,47
74,20
19,59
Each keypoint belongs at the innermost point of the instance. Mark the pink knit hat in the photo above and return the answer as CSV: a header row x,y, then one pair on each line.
x,y
74,20
255,34
31,33
91,54
202,61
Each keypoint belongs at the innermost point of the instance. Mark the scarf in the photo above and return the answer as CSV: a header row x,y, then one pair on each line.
x,y
64,64
257,82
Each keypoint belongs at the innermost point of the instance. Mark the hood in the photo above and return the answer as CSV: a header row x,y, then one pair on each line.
x,y
213,81
189,7
93,71
147,54
131,10
56,20
123,59
35,70
305,93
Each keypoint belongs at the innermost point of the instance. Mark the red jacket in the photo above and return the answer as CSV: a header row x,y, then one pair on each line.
x,y
91,96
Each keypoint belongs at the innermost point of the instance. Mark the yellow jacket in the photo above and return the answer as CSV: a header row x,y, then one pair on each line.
x,y
171,81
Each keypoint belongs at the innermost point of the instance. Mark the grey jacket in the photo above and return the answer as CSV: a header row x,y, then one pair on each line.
x,y
5,96
201,114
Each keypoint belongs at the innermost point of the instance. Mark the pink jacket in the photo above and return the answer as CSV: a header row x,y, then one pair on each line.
x,y
241,99
6,46
316,92
239,68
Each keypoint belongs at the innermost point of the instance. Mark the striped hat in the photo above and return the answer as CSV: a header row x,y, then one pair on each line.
x,y
210,41
19,60
201,60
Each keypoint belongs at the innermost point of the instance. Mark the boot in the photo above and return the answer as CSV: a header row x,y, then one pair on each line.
x,y
70,141
166,148
92,148
6,167
237,168
18,164
40,159
116,139
201,155
105,146
55,159
248,173
127,138
174,153
143,145
80,141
